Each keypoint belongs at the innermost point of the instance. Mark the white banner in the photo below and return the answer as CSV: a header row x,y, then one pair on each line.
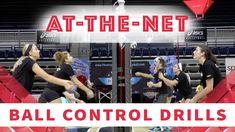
x,y
230,64
111,24
117,115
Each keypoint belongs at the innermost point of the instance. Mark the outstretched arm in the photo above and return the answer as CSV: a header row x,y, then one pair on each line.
x,y
89,84
89,93
145,75
170,83
156,85
49,78
203,92
72,98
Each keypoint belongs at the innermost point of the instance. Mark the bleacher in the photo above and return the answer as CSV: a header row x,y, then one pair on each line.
x,y
192,67
151,51
46,51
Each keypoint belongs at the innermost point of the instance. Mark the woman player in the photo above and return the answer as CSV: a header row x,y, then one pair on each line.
x,y
85,81
25,68
181,83
162,88
211,75
52,92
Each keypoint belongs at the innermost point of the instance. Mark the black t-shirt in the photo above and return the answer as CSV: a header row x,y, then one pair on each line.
x,y
164,88
210,70
65,72
24,73
183,85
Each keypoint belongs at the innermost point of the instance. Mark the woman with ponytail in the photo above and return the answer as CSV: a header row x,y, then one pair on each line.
x,y
180,83
52,92
163,90
26,67
211,75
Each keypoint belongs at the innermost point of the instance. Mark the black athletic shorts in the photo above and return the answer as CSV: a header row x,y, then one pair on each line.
x,y
190,96
48,95
170,92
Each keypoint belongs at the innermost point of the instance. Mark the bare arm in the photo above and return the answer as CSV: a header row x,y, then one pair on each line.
x,y
170,83
71,98
203,92
156,85
89,93
49,78
145,75
89,84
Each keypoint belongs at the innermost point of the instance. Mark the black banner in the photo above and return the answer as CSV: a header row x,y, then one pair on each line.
x,y
101,74
196,35
47,37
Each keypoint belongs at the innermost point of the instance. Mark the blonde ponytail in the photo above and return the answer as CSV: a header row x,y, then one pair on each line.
x,y
20,60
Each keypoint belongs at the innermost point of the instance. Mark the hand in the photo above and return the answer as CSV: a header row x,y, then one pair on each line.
x,y
182,101
155,70
150,84
192,101
71,98
175,82
80,101
90,85
90,94
188,101
160,76
138,74
68,85
76,94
